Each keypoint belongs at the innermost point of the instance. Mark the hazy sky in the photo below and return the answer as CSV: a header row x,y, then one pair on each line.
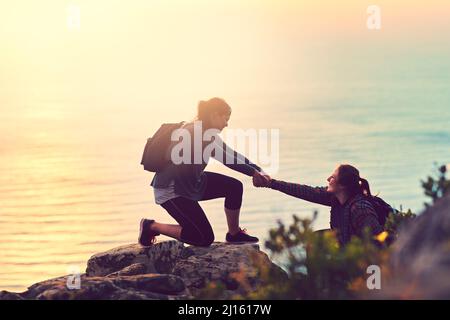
x,y
132,49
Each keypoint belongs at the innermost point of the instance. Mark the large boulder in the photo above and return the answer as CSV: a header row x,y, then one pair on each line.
x,y
420,261
5,295
165,270
236,266
143,286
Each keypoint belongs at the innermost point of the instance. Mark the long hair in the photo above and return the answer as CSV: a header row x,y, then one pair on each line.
x,y
348,176
214,105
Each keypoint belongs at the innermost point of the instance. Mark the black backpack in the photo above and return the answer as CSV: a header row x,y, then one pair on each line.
x,y
154,156
382,208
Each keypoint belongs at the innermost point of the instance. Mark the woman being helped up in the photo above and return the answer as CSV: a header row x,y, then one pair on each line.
x,y
348,196
179,187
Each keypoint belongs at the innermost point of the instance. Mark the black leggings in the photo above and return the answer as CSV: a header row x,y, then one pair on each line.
x,y
196,229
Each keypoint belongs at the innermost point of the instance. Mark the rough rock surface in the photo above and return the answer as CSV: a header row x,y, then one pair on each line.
x,y
223,263
165,270
159,258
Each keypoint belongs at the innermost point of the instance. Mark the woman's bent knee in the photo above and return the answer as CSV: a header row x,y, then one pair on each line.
x,y
204,239
208,239
237,186
203,242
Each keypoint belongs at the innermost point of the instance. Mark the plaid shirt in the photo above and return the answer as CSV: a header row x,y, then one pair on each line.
x,y
347,219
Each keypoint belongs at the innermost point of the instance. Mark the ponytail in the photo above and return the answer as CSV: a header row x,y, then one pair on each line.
x,y
365,189
208,107
348,176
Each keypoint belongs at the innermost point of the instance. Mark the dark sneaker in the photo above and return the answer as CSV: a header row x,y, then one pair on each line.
x,y
241,237
146,236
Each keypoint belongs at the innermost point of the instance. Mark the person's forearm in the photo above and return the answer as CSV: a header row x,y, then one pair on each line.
x,y
235,160
312,194
245,168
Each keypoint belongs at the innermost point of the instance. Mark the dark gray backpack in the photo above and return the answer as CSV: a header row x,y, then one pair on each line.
x,y
154,156
382,208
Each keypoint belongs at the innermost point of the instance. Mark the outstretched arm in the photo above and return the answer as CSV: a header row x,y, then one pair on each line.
x,y
312,194
233,159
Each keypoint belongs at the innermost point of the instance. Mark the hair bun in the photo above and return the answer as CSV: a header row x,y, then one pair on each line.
x,y
206,107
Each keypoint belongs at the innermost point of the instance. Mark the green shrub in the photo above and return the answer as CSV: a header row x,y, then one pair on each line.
x,y
436,187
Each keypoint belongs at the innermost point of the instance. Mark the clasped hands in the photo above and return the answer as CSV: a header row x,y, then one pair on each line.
x,y
261,179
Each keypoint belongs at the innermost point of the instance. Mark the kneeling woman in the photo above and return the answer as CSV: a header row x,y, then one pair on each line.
x,y
348,196
179,187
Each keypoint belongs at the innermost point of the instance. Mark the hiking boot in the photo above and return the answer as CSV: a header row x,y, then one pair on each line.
x,y
146,236
240,237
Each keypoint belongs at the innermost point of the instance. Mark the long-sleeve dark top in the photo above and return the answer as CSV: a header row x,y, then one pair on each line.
x,y
347,219
189,178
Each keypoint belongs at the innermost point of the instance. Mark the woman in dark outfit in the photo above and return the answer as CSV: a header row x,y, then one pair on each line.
x,y
347,195
179,187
